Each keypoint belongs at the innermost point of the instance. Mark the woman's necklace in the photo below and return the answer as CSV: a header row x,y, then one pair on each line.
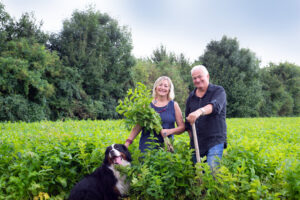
x,y
163,109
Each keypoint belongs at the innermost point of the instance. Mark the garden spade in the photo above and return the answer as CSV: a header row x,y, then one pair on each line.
x,y
196,143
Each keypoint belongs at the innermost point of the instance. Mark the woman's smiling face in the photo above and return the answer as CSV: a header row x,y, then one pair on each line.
x,y
163,88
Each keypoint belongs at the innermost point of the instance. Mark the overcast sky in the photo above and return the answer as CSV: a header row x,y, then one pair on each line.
x,y
269,28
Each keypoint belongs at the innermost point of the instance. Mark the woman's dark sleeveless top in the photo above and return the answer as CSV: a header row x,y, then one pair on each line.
x,y
167,114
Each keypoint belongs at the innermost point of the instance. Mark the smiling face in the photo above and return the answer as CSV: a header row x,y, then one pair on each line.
x,y
200,79
163,88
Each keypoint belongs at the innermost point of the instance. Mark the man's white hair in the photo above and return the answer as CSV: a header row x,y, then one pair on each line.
x,y
199,67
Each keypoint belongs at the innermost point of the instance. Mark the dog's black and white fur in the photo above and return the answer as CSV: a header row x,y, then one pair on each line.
x,y
105,183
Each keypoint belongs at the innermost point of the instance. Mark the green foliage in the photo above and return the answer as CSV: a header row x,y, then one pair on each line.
x,y
48,158
22,67
95,45
51,157
137,110
162,63
237,71
5,20
26,27
163,175
185,71
16,108
144,71
281,90
23,88
292,180
84,70
34,85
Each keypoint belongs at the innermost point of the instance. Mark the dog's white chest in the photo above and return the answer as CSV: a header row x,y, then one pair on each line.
x,y
121,185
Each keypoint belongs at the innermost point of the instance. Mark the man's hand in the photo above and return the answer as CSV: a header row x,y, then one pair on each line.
x,y
193,116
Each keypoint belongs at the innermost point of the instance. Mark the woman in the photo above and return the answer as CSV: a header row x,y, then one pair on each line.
x,y
169,111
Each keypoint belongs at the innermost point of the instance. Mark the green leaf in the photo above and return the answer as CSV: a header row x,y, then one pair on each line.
x,y
62,181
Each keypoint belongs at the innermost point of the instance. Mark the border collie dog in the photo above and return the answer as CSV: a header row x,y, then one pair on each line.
x,y
105,183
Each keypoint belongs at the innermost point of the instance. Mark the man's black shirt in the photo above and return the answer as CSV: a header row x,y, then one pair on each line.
x,y
211,129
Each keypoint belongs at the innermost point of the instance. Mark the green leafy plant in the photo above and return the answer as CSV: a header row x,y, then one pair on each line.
x,y
164,175
137,110
44,159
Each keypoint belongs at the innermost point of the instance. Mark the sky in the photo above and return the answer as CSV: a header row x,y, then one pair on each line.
x,y
269,28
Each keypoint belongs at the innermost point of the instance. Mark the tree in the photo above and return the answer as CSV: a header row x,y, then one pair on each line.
x,y
185,71
5,19
163,63
34,85
237,71
22,90
145,71
22,87
25,27
281,90
100,50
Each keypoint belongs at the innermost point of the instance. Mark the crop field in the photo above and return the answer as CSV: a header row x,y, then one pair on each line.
x,y
43,160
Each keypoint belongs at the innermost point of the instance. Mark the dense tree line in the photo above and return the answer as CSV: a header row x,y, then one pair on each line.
x,y
82,71
237,71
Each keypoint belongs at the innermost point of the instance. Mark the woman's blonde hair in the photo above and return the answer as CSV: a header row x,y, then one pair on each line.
x,y
171,94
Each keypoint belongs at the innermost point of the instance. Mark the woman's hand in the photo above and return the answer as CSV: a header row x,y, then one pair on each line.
x,y
134,132
167,131
127,144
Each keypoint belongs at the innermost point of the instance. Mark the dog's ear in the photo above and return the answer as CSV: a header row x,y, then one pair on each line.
x,y
106,159
127,153
124,147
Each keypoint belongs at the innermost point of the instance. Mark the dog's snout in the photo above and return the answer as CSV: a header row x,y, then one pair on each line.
x,y
114,153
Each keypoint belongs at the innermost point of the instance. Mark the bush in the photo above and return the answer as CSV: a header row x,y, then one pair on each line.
x,y
159,174
16,108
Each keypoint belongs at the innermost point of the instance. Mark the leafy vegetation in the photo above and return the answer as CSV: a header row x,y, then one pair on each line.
x,y
136,109
45,159
281,90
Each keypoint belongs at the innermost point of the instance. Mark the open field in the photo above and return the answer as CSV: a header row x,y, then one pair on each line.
x,y
43,160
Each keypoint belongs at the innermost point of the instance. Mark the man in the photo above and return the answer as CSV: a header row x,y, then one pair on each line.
x,y
206,107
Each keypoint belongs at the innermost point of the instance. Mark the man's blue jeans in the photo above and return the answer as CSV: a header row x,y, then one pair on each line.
x,y
213,157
